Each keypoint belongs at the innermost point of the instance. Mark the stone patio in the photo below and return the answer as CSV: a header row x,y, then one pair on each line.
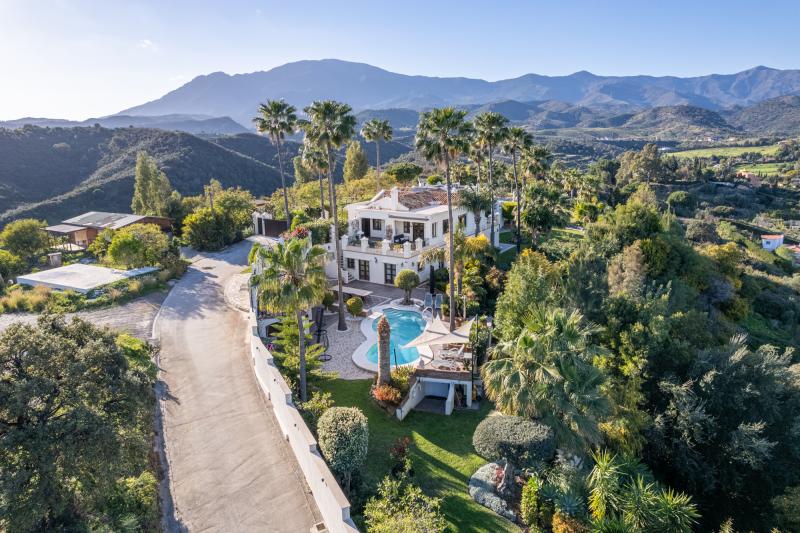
x,y
341,345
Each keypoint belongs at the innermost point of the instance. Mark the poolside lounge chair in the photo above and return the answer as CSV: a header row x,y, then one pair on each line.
x,y
427,304
437,303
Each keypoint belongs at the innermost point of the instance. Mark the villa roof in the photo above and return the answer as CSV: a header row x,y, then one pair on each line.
x,y
420,198
778,236
103,220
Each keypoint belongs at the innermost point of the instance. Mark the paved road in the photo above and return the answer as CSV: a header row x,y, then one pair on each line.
x,y
229,468
135,317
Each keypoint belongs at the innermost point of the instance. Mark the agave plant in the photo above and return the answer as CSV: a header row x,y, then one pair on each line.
x,y
570,503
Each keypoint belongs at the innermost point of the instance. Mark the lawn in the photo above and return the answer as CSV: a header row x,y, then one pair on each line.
x,y
441,452
769,169
726,151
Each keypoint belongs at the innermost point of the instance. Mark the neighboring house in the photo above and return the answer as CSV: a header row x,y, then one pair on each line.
x,y
387,233
795,250
82,230
771,242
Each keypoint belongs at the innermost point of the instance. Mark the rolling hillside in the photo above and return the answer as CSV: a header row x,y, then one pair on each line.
x,y
54,173
779,116
197,124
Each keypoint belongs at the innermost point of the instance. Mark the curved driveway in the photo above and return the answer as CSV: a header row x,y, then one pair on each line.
x,y
229,468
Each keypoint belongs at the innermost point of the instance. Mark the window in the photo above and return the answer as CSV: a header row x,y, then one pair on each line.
x,y
406,227
389,273
434,229
363,270
445,226
351,263
377,224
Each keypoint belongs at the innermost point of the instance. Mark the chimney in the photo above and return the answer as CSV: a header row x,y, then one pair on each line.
x,y
395,197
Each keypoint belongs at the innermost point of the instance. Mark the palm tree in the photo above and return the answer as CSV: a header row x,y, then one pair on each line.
x,y
431,257
314,158
476,154
517,141
277,119
546,373
331,125
475,201
376,130
491,129
293,279
442,137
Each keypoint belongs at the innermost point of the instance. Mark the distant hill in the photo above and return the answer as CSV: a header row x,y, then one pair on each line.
x,y
55,173
366,87
197,124
779,115
679,122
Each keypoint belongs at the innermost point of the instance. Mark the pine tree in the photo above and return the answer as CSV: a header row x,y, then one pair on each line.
x,y
151,189
355,162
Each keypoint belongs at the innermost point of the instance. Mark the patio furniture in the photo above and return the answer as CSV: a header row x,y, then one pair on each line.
x,y
437,303
427,304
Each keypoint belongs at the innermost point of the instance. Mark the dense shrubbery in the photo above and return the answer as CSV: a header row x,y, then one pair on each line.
x,y
100,435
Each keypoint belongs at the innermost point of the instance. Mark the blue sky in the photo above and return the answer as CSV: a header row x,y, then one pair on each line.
x,y
83,58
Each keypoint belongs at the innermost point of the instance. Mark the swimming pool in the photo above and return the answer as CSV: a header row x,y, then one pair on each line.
x,y
405,326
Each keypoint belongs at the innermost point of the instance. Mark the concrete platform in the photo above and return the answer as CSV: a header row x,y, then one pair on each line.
x,y
80,278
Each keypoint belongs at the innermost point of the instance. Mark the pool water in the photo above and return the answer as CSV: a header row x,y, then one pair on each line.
x,y
405,326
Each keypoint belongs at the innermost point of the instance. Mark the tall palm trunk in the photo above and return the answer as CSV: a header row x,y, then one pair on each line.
x,y
301,330
451,261
378,162
491,194
519,201
283,184
321,196
477,212
337,241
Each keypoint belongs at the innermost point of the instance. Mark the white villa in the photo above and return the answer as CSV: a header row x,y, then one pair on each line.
x,y
388,233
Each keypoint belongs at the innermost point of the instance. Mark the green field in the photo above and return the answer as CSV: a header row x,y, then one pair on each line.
x,y
769,169
726,151
442,455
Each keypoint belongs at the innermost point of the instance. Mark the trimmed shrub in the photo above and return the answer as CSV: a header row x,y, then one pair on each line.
x,y
328,299
355,306
519,440
343,440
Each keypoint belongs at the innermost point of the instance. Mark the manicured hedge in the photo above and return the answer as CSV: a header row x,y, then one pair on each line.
x,y
514,438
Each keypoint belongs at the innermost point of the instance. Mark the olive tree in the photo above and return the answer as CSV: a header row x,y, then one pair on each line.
x,y
406,279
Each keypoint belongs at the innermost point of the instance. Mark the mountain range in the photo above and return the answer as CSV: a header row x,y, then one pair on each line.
x,y
197,124
367,87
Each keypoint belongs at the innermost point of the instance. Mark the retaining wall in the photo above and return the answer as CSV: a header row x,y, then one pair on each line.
x,y
331,501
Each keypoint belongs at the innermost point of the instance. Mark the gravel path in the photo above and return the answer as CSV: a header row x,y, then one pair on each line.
x,y
135,317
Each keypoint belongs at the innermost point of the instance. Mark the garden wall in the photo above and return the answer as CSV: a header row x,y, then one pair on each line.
x,y
331,501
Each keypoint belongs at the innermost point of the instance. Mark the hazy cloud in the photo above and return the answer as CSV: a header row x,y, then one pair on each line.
x,y
147,44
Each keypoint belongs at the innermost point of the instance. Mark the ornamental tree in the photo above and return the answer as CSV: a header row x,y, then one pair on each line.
x,y
343,440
